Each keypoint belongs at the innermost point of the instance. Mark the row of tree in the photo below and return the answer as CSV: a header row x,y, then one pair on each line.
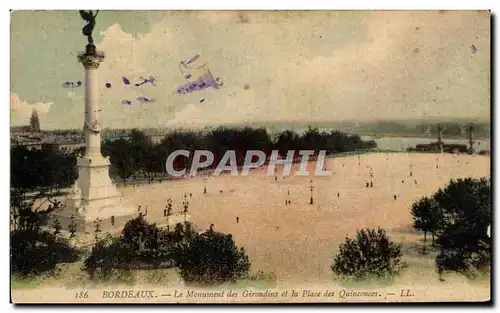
x,y
46,168
138,154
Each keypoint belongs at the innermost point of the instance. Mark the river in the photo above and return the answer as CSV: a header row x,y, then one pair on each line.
x,y
403,143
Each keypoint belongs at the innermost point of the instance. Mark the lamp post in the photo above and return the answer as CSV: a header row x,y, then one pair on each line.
x,y
311,187
185,204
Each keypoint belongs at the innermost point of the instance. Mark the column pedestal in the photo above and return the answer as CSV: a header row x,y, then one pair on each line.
x,y
95,197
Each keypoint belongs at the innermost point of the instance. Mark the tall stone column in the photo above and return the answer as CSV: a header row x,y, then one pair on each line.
x,y
94,197
91,61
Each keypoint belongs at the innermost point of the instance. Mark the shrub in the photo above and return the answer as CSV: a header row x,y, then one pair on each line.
x,y
35,252
211,258
140,246
139,233
105,259
370,254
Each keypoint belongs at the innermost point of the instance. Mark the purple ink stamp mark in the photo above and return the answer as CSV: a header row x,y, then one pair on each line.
x,y
143,99
150,79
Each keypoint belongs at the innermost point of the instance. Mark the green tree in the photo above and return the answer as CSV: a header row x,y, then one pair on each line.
x,y
210,258
287,140
122,160
370,254
427,217
47,168
463,240
140,234
141,150
33,250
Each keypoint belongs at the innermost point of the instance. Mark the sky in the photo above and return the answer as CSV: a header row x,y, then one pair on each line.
x,y
276,66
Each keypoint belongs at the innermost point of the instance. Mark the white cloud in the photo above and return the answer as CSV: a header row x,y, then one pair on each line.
x,y
191,115
413,65
21,111
290,66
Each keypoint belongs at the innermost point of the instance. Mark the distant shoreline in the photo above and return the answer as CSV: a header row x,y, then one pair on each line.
x,y
413,135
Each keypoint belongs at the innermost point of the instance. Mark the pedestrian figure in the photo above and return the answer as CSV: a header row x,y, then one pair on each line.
x,y
288,192
395,197
221,192
440,272
286,202
371,184
411,174
338,195
437,166
237,219
403,181
190,195
139,208
415,181
367,185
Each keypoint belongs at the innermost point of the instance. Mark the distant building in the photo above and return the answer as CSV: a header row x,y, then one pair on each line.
x,y
436,147
439,146
34,122
31,137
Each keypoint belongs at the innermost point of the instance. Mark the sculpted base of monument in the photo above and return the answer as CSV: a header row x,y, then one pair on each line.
x,y
95,199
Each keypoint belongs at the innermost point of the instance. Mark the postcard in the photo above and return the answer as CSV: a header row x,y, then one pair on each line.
x,y
250,156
